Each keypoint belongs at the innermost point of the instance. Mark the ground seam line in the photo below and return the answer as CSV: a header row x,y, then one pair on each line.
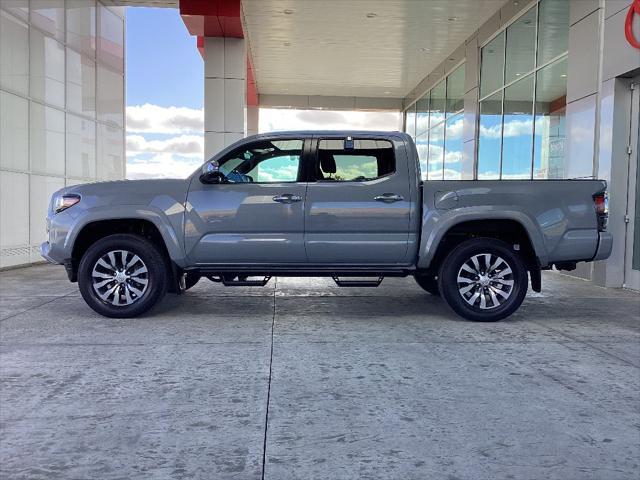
x,y
266,417
36,306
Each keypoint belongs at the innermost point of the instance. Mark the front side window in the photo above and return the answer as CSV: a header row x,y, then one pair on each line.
x,y
266,161
349,160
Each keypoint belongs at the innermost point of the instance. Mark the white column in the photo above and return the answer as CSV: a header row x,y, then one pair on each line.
x,y
225,84
253,119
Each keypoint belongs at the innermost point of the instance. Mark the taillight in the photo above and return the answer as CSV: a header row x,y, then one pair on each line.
x,y
601,202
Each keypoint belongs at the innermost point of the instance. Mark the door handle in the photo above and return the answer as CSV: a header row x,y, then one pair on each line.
x,y
287,198
389,198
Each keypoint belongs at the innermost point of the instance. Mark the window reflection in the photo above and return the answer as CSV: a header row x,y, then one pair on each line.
x,y
521,45
553,29
438,104
455,91
436,152
453,148
492,66
410,121
551,103
422,144
489,139
517,133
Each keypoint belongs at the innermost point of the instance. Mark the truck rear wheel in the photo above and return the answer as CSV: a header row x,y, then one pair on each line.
x,y
428,283
483,279
122,276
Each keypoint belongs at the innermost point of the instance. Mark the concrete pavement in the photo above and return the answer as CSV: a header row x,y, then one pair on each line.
x,y
301,379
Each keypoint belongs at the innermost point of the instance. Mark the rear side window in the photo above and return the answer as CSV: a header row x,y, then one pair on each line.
x,y
354,160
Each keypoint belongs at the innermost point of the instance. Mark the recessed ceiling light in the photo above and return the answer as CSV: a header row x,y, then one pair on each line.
x,y
387,93
518,74
288,11
516,3
425,49
371,15
287,44
563,75
452,19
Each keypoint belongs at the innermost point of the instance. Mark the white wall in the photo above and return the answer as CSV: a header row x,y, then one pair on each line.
x,y
61,110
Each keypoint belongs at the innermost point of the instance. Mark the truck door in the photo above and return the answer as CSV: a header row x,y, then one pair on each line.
x,y
358,202
256,216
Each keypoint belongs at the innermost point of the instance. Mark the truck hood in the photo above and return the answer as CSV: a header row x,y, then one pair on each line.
x,y
130,192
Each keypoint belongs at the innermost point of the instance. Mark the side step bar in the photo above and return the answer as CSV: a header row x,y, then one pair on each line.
x,y
239,281
358,283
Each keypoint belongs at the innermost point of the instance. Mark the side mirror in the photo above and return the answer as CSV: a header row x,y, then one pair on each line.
x,y
211,173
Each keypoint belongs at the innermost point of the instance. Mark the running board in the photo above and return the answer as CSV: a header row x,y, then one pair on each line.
x,y
358,283
239,281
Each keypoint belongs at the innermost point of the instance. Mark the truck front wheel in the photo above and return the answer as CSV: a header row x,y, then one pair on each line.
x,y
122,276
483,279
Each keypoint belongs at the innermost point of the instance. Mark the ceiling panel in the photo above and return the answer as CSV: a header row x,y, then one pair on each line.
x,y
370,48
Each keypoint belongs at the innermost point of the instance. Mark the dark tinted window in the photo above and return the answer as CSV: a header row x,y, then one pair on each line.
x,y
353,160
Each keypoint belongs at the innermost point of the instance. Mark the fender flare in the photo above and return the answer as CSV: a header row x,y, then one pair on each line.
x,y
131,212
438,223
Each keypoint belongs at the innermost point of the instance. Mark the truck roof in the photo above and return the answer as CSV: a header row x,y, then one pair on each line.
x,y
329,133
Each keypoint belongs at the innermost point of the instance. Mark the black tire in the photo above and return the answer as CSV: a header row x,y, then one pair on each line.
x,y
191,279
428,283
156,276
509,287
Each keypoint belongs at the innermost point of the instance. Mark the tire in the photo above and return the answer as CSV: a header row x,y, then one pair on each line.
x,y
428,283
190,280
117,292
481,292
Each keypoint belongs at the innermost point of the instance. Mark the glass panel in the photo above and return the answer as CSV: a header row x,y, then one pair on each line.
x,y
110,165
19,8
453,148
81,26
110,39
422,144
263,161
81,148
551,111
410,121
14,210
455,91
422,115
489,137
14,54
48,16
436,152
14,132
365,160
521,44
438,103
553,30
47,69
47,140
517,131
492,66
110,98
81,83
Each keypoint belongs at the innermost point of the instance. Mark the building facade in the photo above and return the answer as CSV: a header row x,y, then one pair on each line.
x,y
544,89
62,121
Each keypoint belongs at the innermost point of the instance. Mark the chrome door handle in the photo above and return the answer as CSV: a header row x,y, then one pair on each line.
x,y
389,198
287,198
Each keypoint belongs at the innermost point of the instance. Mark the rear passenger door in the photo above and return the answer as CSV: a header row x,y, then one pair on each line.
x,y
358,202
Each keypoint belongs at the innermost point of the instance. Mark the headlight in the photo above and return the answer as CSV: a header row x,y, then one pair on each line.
x,y
62,202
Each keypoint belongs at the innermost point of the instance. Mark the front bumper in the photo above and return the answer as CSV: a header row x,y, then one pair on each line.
x,y
45,249
605,245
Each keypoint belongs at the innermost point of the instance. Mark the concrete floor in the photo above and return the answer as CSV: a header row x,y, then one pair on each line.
x,y
318,383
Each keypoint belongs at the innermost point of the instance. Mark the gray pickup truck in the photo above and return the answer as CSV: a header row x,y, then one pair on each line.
x,y
348,205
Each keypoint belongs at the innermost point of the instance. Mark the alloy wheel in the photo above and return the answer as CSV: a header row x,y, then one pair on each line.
x,y
120,277
485,281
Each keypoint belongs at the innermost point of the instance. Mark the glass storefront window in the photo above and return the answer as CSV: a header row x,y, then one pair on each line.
x,y
453,148
553,29
523,137
517,131
422,145
455,91
438,103
492,66
410,121
422,115
436,152
490,137
521,46
550,114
